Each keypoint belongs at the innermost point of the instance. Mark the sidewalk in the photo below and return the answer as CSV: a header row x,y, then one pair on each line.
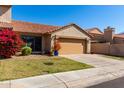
x,y
105,70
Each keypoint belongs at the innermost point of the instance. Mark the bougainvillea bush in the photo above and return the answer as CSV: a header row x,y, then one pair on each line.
x,y
10,43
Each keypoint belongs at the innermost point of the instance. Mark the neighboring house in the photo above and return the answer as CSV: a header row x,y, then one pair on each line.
x,y
106,42
97,35
107,36
119,39
73,39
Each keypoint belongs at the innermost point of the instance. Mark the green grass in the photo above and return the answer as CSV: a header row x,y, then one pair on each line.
x,y
21,67
113,57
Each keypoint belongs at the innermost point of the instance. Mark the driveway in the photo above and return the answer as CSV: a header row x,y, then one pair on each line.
x,y
94,60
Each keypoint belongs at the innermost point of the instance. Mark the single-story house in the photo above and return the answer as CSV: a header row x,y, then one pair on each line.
x,y
73,39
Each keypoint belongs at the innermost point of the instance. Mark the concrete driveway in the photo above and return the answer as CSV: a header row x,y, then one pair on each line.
x,y
94,60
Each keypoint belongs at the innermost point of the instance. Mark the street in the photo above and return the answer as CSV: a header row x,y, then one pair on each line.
x,y
116,83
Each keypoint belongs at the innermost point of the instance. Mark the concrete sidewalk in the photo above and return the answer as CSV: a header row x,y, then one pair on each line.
x,y
105,70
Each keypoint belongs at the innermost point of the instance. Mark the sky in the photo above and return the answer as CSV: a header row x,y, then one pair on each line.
x,y
85,16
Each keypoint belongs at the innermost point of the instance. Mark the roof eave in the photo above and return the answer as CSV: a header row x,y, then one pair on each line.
x,y
68,26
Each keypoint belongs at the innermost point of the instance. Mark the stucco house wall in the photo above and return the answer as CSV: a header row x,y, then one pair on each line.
x,y
71,32
5,14
100,48
117,49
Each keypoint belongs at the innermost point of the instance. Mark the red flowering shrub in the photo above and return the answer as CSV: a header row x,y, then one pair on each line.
x,y
10,43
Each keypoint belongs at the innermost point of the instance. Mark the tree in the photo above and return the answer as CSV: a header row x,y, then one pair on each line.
x,y
10,43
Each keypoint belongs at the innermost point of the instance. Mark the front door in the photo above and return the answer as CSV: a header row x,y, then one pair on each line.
x,y
33,41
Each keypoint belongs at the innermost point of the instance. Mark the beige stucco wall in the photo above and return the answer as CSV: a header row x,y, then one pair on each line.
x,y
117,49
109,49
88,46
5,13
71,32
100,48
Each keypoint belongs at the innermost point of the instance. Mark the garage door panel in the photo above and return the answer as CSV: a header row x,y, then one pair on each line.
x,y
71,46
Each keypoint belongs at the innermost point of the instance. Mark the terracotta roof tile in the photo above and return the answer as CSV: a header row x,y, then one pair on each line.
x,y
119,36
94,31
5,25
29,27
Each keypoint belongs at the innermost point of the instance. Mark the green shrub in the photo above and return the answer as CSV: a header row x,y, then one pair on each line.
x,y
26,51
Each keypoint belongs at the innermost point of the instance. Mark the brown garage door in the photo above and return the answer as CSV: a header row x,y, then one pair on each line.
x,y
72,46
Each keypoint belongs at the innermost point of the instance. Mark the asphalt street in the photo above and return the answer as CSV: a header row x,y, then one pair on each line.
x,y
116,83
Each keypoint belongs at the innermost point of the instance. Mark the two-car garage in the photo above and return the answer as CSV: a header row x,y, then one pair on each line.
x,y
72,39
72,46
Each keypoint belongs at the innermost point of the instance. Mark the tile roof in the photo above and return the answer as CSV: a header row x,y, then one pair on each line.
x,y
28,27
20,26
94,31
5,25
119,36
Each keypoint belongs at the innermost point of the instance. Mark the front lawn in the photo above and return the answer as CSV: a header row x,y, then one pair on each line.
x,y
114,57
20,67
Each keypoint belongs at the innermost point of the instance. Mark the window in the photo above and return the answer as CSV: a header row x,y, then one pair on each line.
x,y
33,41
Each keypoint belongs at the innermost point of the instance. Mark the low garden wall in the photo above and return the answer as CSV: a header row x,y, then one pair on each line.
x,y
109,49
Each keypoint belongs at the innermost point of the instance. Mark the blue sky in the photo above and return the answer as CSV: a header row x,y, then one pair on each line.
x,y
84,16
